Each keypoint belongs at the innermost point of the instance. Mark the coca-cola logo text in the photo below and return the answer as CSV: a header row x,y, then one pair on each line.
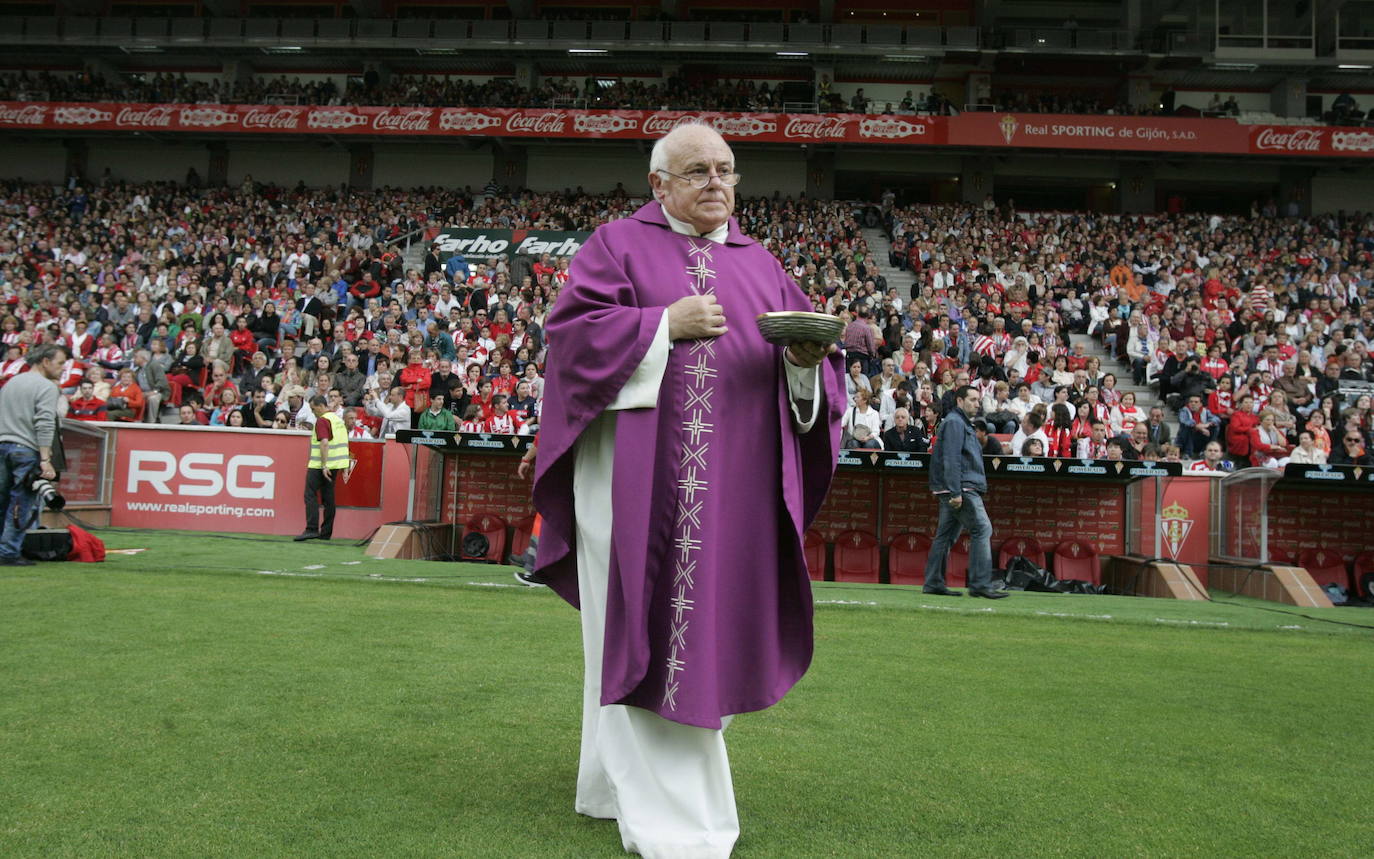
x,y
1290,140
553,122
411,120
816,128
659,123
280,118
31,115
152,117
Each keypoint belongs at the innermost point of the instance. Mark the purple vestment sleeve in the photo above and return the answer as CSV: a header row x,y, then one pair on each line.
x,y
598,336
813,467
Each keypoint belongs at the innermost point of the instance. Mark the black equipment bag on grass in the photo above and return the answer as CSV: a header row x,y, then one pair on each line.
x,y
1023,575
47,544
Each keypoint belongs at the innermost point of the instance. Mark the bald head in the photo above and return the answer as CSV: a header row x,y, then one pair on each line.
x,y
687,152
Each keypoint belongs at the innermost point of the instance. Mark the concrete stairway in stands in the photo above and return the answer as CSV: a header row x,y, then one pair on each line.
x,y
880,247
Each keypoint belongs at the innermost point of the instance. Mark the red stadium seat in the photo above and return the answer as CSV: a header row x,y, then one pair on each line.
x,y
956,568
1074,559
906,559
520,540
494,529
1362,572
1027,547
856,557
1325,567
813,551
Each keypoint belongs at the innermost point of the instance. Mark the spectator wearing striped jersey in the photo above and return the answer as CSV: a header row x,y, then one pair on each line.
x,y
502,421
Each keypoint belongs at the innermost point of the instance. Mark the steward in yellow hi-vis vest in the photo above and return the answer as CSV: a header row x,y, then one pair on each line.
x,y
328,457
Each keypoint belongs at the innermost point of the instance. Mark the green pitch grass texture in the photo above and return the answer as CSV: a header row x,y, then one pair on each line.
x,y
222,696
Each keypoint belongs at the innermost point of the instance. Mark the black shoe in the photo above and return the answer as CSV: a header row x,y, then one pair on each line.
x,y
989,595
942,592
325,537
527,579
308,535
16,562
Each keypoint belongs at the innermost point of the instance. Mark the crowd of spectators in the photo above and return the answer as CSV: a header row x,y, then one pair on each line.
x,y
232,305
1254,330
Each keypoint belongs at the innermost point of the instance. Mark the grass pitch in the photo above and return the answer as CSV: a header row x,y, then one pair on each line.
x,y
215,696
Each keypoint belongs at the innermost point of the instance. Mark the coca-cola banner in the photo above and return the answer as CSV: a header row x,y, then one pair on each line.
x,y
1311,140
461,121
985,130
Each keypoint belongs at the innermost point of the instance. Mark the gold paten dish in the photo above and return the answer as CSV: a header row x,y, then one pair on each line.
x,y
797,326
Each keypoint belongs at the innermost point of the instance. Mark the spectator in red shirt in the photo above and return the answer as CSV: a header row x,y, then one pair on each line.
x,y
1243,420
85,406
504,381
126,398
1078,359
502,420
415,377
363,289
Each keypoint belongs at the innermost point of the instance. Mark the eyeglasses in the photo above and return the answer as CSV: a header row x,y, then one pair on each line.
x,y
1354,440
701,178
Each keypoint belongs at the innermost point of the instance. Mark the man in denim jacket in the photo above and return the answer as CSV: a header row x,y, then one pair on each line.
x,y
959,483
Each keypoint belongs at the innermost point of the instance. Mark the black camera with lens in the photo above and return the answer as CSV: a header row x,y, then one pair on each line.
x,y
47,493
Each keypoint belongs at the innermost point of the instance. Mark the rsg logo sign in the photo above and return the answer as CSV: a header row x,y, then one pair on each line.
x,y
201,475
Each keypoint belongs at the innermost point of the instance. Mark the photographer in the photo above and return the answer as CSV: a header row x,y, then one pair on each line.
x,y
28,429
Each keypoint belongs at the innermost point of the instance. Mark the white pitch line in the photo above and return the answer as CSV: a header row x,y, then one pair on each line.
x,y
1192,622
313,567
987,610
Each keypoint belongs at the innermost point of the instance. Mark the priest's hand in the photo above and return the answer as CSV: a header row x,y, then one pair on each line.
x,y
695,317
809,354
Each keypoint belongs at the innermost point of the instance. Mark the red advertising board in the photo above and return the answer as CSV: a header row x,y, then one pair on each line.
x,y
984,130
1124,133
192,479
1050,511
1311,140
463,122
1312,519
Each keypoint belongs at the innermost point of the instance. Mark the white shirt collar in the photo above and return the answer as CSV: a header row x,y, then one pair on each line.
x,y
718,235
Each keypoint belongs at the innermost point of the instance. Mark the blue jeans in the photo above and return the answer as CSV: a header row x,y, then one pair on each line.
x,y
18,468
970,516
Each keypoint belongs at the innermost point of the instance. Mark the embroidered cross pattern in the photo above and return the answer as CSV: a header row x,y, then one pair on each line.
x,y
680,603
694,456
699,379
690,514
682,574
695,427
686,546
701,371
700,399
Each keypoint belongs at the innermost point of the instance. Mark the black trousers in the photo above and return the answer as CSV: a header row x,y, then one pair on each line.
x,y
319,491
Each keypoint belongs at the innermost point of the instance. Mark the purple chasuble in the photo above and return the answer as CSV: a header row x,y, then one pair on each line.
x,y
708,609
